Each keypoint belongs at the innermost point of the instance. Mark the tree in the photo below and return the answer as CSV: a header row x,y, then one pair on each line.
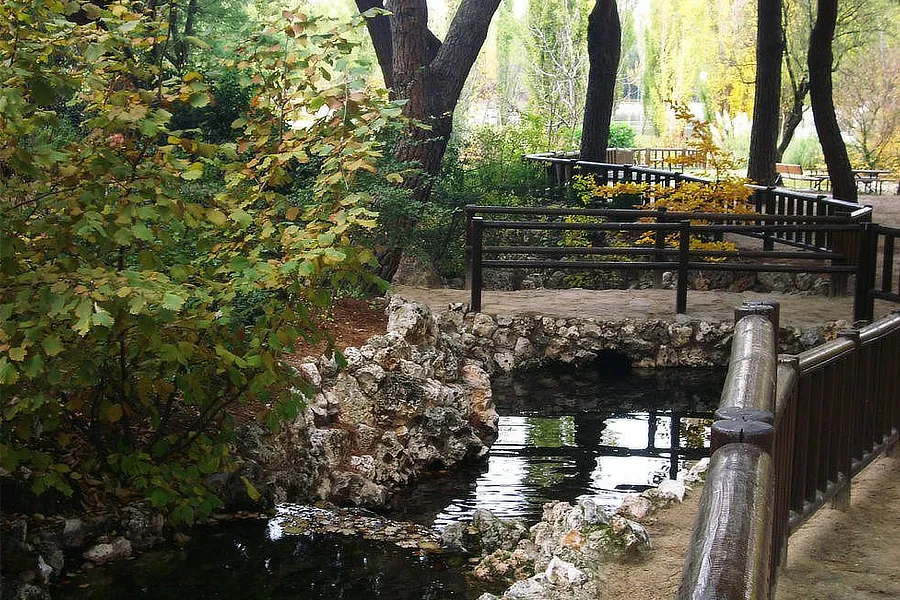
x,y
604,39
820,60
858,21
868,105
428,74
557,31
764,133
151,279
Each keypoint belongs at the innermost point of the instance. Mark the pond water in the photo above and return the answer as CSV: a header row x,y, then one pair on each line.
x,y
570,435
563,435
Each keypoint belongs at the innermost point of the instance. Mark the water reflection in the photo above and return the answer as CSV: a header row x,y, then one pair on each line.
x,y
242,560
574,435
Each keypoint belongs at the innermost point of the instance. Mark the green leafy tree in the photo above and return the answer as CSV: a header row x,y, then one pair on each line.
x,y
129,247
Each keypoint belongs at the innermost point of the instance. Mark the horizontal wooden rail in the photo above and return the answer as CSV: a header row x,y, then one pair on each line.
x,y
658,258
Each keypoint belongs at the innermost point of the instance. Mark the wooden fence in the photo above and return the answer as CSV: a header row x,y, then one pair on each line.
x,y
791,434
656,257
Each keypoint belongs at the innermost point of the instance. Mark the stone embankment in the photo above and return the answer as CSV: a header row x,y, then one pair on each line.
x,y
415,399
418,398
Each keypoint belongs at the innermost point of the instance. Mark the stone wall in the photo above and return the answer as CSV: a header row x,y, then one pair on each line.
x,y
419,398
407,402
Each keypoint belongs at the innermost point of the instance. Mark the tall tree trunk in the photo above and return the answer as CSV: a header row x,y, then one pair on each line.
x,y
820,58
430,75
604,41
767,99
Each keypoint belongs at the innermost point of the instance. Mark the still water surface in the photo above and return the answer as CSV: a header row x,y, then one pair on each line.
x,y
563,436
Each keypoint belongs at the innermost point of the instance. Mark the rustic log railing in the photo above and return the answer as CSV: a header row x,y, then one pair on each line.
x,y
656,257
791,435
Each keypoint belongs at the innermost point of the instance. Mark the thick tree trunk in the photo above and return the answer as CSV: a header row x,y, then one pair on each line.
x,y
430,75
604,41
767,100
820,58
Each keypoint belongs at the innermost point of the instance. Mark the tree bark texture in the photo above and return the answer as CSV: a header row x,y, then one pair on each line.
x,y
767,99
604,41
820,59
429,75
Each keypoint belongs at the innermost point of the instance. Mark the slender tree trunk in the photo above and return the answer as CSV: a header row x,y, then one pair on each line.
x,y
767,100
184,47
792,118
820,59
604,41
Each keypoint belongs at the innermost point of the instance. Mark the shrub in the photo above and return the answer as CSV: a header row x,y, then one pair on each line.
x,y
621,135
152,279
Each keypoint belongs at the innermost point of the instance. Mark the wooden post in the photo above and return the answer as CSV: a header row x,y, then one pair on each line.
x,y
887,267
863,300
477,251
469,214
769,199
659,244
684,255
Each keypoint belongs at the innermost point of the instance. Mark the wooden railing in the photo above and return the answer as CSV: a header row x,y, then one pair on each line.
x,y
766,200
791,435
656,257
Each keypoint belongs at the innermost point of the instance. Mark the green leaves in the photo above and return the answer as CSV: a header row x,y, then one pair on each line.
x,y
164,274
172,302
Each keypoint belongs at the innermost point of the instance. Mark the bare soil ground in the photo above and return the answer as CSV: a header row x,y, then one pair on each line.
x,y
853,554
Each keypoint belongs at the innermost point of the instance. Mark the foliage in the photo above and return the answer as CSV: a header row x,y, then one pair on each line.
x,y
558,71
126,249
702,140
804,151
621,135
870,107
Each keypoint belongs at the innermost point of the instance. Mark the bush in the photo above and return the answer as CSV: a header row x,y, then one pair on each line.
x,y
152,279
621,135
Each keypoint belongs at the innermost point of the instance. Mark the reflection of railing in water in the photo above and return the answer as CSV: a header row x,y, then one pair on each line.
x,y
587,445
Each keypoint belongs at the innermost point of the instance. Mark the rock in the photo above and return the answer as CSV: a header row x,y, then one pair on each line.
x,y
697,472
635,507
483,326
413,271
414,322
74,531
497,534
143,527
671,489
504,361
101,554
309,372
563,574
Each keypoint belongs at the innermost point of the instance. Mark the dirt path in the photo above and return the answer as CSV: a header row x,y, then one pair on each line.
x,y
836,555
658,575
797,310
854,554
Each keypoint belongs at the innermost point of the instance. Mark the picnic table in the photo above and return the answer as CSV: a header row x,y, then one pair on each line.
x,y
870,179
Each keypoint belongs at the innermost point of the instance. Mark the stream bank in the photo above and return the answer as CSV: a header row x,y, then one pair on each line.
x,y
412,401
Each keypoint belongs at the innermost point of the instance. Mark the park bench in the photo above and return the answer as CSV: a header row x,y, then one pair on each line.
x,y
795,173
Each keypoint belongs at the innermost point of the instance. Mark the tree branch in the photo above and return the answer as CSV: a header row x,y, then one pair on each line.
x,y
450,68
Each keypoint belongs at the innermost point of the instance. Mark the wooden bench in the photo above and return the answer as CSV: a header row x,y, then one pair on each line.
x,y
795,173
